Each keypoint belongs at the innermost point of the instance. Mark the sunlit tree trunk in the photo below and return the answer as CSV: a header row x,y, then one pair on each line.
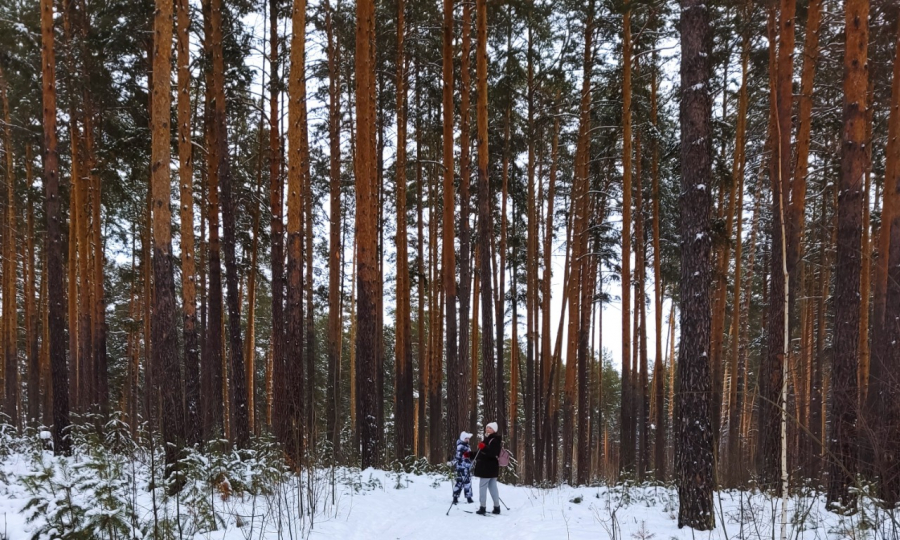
x,y
165,339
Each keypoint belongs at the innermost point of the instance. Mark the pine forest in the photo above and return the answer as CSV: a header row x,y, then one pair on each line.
x,y
260,256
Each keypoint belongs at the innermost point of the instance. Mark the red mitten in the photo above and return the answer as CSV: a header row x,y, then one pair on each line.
x,y
481,446
466,455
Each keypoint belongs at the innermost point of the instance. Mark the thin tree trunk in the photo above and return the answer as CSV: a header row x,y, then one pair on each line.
x,y
531,298
485,221
250,343
335,260
404,414
643,403
546,353
465,238
659,462
501,269
733,464
771,378
422,350
281,388
31,306
455,384
626,457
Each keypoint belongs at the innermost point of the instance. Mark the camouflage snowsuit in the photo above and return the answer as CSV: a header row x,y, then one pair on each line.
x,y
463,469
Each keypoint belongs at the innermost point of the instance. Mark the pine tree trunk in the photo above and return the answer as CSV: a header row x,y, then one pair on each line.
x,y
455,384
485,221
842,437
733,463
56,327
865,274
422,349
770,377
659,461
889,206
404,413
298,161
465,235
308,405
165,340
435,331
643,403
72,270
31,305
882,419
98,320
10,256
335,261
626,457
215,424
531,298
188,269
280,384
367,239
250,344
693,433
543,386
239,416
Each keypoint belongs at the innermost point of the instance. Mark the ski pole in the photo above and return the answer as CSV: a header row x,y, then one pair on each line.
x,y
448,510
504,504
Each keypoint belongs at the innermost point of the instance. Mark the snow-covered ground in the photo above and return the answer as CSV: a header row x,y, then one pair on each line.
x,y
383,505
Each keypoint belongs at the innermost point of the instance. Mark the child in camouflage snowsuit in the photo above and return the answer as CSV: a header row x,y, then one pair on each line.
x,y
463,463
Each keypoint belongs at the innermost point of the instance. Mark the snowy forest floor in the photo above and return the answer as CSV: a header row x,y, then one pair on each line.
x,y
104,492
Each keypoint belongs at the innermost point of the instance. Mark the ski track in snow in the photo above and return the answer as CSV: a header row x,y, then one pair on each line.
x,y
379,510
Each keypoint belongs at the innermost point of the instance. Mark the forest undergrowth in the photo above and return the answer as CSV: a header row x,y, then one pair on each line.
x,y
114,487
